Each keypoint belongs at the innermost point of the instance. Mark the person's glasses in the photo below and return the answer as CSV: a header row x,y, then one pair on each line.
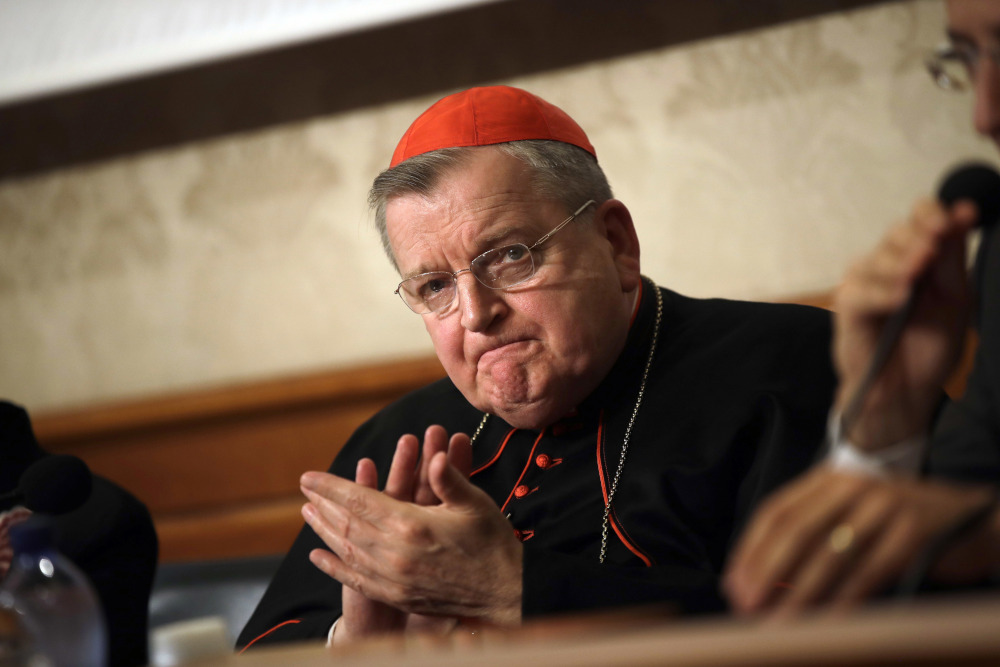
x,y
954,66
498,268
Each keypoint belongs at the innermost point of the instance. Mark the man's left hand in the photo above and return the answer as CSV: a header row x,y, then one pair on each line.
x,y
835,538
458,558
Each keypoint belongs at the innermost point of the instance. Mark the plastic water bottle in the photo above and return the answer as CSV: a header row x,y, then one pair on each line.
x,y
16,645
53,598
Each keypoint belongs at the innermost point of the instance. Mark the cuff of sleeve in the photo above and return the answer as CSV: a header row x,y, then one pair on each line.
x,y
901,458
329,636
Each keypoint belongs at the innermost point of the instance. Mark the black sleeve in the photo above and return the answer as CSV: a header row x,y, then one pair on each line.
x,y
965,444
301,601
789,423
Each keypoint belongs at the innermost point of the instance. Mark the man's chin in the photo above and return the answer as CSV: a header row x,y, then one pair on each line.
x,y
522,413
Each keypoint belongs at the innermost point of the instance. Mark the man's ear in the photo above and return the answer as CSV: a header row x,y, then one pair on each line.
x,y
615,222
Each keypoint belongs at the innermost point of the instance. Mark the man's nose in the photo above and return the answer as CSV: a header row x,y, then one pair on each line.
x,y
986,115
479,304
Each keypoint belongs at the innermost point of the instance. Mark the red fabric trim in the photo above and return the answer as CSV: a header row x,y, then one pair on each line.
x,y
619,530
291,622
495,456
600,456
531,459
604,492
638,302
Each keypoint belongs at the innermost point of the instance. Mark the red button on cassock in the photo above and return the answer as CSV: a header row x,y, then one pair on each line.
x,y
520,491
543,461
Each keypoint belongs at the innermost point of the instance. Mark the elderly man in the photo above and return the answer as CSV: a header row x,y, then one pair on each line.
x,y
837,537
620,432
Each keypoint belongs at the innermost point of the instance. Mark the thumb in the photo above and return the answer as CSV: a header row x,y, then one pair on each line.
x,y
450,485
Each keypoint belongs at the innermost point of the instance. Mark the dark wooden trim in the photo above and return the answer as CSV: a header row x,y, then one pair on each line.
x,y
219,468
57,429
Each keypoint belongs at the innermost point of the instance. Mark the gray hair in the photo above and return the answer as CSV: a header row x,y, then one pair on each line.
x,y
561,172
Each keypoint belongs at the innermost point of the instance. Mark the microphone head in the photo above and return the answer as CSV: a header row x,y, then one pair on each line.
x,y
56,484
977,182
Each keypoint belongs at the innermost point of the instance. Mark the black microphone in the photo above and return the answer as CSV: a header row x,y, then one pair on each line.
x,y
54,484
977,182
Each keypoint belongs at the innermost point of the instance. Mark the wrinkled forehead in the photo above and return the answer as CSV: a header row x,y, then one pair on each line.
x,y
484,179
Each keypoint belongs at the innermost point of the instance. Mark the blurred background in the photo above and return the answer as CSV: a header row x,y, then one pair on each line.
x,y
192,297
182,184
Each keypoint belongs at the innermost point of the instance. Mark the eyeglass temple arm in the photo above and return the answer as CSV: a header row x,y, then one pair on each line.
x,y
563,223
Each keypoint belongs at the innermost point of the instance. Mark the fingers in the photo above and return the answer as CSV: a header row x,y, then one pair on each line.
x,y
919,264
346,504
435,440
401,480
783,537
408,475
841,556
453,487
460,453
881,281
885,556
358,549
847,537
365,474
350,575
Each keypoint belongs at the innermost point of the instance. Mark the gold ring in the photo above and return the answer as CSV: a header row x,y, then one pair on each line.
x,y
841,538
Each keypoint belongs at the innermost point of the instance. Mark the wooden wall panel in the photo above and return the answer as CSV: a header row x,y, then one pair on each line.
x,y
219,468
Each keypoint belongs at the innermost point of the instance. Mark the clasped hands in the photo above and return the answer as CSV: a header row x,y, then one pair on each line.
x,y
429,549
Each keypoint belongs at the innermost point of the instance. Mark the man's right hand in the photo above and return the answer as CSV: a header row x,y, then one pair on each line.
x,y
925,254
362,617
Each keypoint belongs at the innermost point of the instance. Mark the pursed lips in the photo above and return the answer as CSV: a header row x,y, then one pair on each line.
x,y
499,347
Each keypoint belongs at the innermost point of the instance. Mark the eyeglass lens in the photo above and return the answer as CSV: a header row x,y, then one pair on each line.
x,y
497,268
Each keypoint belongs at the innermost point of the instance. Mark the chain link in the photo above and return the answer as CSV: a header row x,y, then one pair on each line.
x,y
628,429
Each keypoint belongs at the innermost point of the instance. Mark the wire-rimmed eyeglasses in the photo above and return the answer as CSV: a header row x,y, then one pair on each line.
x,y
954,66
498,268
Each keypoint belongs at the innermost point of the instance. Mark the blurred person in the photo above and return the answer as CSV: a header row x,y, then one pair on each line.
x,y
836,537
109,536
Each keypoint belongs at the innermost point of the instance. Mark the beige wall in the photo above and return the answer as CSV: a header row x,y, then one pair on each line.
x,y
755,166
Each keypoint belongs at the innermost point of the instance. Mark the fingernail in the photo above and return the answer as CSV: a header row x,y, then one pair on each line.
x,y
308,512
308,480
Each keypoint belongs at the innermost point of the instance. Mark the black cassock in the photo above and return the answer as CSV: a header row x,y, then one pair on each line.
x,y
735,405
965,444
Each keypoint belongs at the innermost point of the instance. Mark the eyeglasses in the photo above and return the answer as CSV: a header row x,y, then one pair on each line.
x,y
498,268
954,66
